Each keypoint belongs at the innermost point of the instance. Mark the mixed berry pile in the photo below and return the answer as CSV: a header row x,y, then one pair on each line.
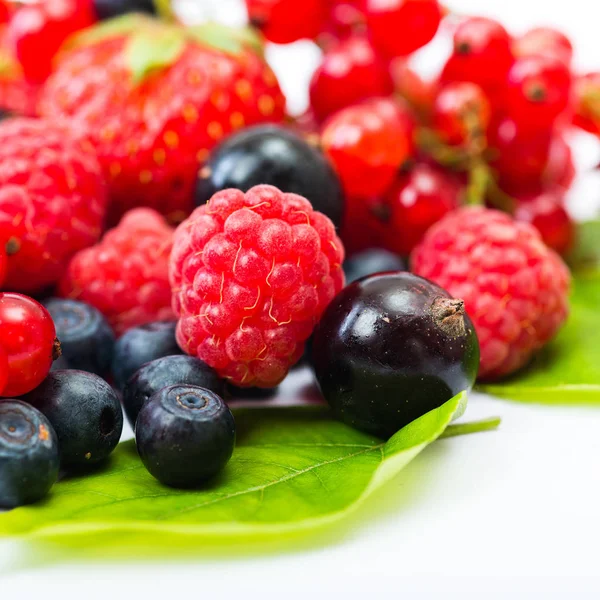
x,y
178,236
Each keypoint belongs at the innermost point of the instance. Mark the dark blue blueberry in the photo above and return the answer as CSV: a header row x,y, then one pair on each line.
x,y
163,372
85,413
276,156
29,459
369,262
107,9
185,435
86,339
140,345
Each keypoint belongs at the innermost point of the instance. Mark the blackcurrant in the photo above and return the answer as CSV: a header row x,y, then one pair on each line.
x,y
185,435
275,156
374,260
29,458
392,347
107,9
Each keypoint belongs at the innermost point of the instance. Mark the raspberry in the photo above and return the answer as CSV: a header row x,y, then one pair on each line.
x,y
514,287
52,200
125,276
252,273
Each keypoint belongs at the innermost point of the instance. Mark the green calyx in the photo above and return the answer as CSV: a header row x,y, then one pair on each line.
x,y
154,44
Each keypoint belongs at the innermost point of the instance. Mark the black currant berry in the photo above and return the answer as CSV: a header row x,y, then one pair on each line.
x,y
86,339
369,262
140,345
392,347
29,458
85,413
275,156
185,435
107,9
163,372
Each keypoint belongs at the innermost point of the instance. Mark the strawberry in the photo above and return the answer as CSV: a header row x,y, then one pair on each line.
x,y
154,98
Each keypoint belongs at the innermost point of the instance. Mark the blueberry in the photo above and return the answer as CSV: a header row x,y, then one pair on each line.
x,y
140,345
276,156
87,340
106,9
390,348
163,372
29,459
85,413
185,435
369,262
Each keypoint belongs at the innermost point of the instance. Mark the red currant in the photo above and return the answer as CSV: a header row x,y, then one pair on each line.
x,y
560,169
286,21
410,85
482,54
5,12
38,30
364,224
544,41
28,337
520,158
538,91
3,265
351,71
3,368
345,18
399,27
417,201
547,213
461,112
368,143
587,102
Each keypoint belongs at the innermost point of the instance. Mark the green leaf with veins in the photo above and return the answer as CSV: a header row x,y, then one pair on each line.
x,y
294,470
566,371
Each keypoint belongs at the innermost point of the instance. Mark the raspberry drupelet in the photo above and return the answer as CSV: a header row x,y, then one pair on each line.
x,y
251,275
515,289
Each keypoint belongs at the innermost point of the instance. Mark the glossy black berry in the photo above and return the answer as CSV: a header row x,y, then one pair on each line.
x,y
392,347
275,156
29,459
369,262
86,339
107,9
85,413
140,345
163,372
185,435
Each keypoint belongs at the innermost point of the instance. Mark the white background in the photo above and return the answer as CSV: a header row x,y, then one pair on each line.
x,y
509,514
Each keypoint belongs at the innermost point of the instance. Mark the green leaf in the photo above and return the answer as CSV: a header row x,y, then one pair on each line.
x,y
152,51
586,254
567,371
230,40
294,469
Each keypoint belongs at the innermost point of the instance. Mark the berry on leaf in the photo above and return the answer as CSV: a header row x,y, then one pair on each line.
x,y
251,275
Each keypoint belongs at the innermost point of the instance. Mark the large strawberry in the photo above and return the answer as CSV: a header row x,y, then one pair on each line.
x,y
155,98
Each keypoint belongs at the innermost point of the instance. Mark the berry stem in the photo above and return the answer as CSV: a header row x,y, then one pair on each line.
x,y
489,424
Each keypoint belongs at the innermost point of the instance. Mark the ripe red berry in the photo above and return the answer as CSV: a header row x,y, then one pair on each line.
x,y
419,92
515,289
520,158
345,17
3,265
546,212
368,143
252,273
399,27
461,112
3,368
28,337
286,21
5,11
417,201
538,91
482,54
587,102
544,41
38,30
351,71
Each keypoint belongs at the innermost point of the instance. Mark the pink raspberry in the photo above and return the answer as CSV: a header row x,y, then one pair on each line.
x,y
126,275
515,288
251,275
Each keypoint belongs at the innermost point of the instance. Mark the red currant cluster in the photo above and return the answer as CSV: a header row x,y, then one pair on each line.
x,y
490,129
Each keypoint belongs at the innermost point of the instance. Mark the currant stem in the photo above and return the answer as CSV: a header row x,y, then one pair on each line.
x,y
489,424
